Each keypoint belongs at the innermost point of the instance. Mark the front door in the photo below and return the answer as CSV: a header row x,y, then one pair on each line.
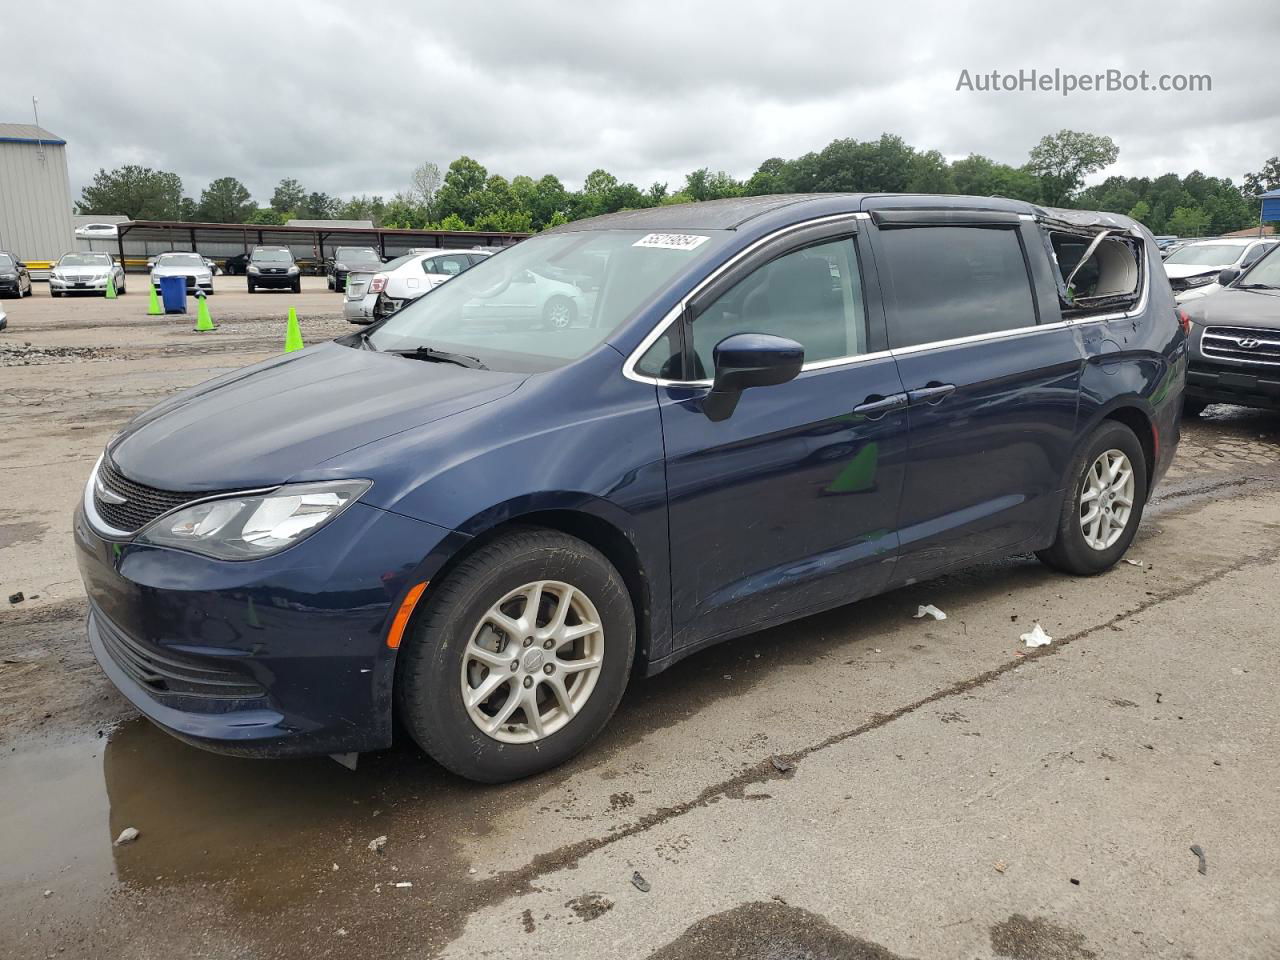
x,y
790,504
992,377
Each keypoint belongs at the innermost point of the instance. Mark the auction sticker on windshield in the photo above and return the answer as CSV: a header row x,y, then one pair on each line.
x,y
671,241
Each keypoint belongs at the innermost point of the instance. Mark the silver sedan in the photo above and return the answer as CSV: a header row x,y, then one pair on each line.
x,y
85,273
194,267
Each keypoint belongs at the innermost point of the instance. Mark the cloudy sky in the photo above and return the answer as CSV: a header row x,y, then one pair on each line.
x,y
349,97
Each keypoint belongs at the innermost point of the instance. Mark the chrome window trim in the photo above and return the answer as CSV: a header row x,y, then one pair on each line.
x,y
629,365
629,371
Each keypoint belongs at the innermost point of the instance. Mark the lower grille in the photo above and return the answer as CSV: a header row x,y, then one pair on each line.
x,y
141,505
166,673
1242,344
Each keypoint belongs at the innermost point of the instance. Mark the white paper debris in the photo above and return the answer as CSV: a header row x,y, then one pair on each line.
x,y
127,835
402,884
377,843
929,610
1037,637
1133,563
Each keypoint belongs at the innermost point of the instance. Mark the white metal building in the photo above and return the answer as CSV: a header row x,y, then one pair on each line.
x,y
35,193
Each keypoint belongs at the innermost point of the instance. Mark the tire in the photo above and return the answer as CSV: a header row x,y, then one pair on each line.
x,y
1071,551
1193,406
328,282
559,313
430,671
55,293
297,286
252,288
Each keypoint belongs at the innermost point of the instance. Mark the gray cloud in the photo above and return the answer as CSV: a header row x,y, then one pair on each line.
x,y
348,98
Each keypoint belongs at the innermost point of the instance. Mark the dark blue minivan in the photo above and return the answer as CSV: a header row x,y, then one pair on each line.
x,y
764,407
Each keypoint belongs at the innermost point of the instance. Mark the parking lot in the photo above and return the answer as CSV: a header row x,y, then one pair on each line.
x,y
857,784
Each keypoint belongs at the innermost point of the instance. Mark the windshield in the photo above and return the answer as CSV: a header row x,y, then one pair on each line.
x,y
272,256
1206,255
546,300
180,260
1266,272
6,261
85,260
357,255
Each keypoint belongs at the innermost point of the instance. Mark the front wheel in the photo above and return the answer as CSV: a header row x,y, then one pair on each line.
x,y
518,658
1103,507
252,288
297,286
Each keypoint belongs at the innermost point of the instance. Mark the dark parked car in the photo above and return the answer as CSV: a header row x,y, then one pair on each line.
x,y
239,264
348,260
273,268
778,405
1235,340
15,281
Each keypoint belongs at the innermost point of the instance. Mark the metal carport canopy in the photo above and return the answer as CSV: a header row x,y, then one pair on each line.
x,y
249,235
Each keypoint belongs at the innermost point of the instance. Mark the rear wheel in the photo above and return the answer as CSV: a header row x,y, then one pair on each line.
x,y
518,658
1103,507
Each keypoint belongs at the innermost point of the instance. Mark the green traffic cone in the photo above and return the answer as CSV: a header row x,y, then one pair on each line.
x,y
111,288
153,305
292,335
204,322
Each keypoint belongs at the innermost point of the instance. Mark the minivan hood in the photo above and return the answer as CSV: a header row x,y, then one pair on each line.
x,y
1177,271
266,424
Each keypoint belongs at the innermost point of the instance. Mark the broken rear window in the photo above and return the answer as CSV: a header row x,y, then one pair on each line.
x,y
1100,270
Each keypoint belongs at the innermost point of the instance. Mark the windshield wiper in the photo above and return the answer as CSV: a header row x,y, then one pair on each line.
x,y
441,356
1256,286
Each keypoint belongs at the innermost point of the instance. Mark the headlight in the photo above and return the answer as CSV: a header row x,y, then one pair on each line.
x,y
252,268
249,527
293,270
1201,281
340,266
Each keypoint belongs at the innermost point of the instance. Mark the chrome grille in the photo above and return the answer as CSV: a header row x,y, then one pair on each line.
x,y
142,504
1242,344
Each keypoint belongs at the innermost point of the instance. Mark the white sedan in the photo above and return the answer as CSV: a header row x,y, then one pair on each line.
x,y
192,266
85,273
371,296
1193,269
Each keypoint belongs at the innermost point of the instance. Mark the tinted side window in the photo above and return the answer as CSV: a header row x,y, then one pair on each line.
x,y
1254,255
812,296
949,282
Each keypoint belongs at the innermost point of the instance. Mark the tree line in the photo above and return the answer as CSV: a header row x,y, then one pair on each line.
x,y
467,197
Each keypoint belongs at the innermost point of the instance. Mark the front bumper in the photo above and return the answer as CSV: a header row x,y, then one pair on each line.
x,y
279,280
1213,379
78,286
192,284
284,656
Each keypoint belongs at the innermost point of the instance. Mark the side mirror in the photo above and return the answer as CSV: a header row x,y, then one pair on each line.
x,y
1226,275
749,360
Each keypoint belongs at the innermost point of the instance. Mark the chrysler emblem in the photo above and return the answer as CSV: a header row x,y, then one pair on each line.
x,y
105,495
1248,342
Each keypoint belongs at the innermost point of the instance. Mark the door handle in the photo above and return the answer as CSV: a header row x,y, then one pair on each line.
x,y
877,405
931,393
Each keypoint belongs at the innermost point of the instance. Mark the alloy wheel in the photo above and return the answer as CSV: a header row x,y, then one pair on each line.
x,y
1106,500
532,662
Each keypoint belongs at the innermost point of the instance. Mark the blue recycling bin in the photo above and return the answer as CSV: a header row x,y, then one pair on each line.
x,y
173,293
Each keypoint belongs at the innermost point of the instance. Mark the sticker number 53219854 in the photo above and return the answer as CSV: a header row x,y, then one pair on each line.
x,y
671,241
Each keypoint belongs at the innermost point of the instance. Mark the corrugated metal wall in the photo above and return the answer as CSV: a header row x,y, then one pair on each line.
x,y
35,201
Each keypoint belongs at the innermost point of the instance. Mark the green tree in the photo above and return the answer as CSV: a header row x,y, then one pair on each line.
x,y
318,206
1189,222
226,200
288,197
1268,178
364,207
136,192
267,215
979,176
460,193
702,184
454,222
1062,160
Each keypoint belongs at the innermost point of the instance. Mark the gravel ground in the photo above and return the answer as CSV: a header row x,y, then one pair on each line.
x,y
856,785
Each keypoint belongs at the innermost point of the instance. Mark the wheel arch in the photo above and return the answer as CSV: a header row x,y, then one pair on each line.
x,y
1135,414
592,526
